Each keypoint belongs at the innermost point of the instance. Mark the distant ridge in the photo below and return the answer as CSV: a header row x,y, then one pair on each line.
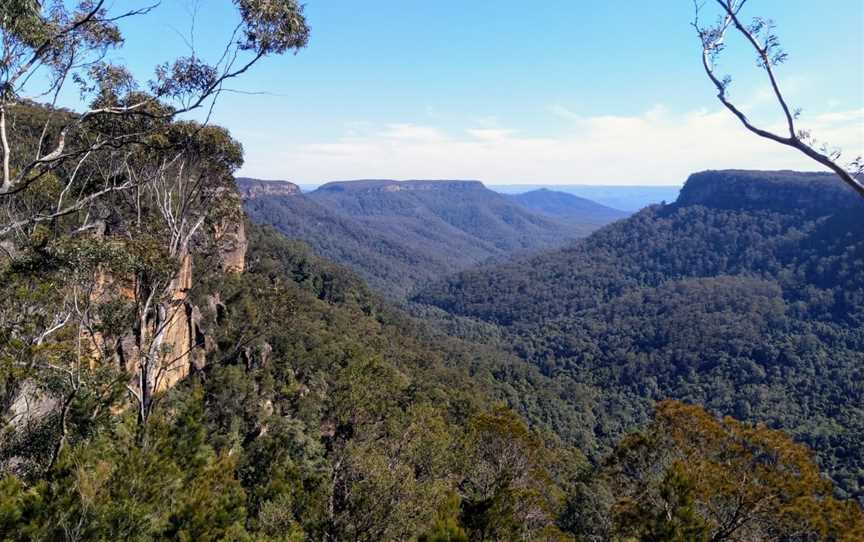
x,y
398,234
389,185
773,190
745,295
629,198
254,188
567,206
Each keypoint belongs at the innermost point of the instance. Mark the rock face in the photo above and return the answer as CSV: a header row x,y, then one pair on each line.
x,y
784,191
184,341
233,252
30,407
387,185
255,188
232,244
177,342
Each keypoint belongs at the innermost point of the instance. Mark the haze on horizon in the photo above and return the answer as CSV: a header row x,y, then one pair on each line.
x,y
558,94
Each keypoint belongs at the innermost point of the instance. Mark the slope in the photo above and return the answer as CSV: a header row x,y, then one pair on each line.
x,y
401,234
568,206
746,295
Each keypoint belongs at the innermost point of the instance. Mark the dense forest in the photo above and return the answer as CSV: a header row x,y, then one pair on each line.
x,y
745,295
170,371
401,234
321,414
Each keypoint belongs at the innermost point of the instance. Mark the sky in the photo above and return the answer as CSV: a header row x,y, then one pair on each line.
x,y
514,92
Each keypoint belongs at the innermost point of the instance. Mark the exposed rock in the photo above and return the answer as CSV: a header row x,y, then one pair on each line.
x,y
182,282
232,245
7,250
177,347
215,306
203,344
387,185
177,337
30,407
129,353
254,188
265,352
257,355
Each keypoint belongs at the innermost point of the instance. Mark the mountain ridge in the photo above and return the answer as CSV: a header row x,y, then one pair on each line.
x,y
754,310
397,234
256,188
391,185
568,206
781,190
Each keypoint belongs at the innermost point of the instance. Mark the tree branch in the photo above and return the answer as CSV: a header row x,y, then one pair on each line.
x,y
713,42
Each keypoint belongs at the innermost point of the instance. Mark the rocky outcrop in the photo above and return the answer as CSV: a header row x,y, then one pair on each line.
x,y
387,185
179,340
255,188
232,244
176,342
30,407
184,342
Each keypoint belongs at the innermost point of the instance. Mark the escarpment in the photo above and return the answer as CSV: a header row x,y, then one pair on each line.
x,y
161,338
177,331
779,191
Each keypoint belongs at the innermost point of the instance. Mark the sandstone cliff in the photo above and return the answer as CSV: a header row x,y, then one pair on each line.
x,y
253,188
808,192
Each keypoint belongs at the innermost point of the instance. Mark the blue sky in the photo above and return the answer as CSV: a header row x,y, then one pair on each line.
x,y
549,92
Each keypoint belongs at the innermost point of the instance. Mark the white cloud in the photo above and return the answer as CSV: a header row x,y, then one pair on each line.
x,y
490,134
656,147
414,133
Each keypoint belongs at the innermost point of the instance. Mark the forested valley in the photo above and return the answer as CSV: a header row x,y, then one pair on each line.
x,y
745,296
172,369
401,234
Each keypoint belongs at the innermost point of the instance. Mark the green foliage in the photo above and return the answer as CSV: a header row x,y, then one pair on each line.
x,y
692,477
322,413
746,296
509,493
111,488
347,421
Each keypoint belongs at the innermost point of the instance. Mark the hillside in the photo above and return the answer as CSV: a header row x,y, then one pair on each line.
x,y
398,234
745,295
568,207
626,198
172,371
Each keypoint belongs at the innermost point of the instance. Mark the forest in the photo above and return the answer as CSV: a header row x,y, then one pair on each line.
x,y
171,370
399,235
751,306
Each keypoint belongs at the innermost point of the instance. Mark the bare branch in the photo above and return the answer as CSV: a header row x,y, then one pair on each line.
x,y
713,42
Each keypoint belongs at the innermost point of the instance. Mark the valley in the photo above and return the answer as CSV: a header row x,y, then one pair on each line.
x,y
662,350
398,234
732,296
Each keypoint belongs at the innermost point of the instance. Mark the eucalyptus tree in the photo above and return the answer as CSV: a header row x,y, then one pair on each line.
x,y
759,34
100,207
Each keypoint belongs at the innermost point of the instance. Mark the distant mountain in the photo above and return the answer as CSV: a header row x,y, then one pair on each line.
x,y
625,198
397,234
745,295
567,206
256,188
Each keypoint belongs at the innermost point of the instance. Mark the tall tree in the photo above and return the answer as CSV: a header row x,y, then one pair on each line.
x,y
692,476
101,209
